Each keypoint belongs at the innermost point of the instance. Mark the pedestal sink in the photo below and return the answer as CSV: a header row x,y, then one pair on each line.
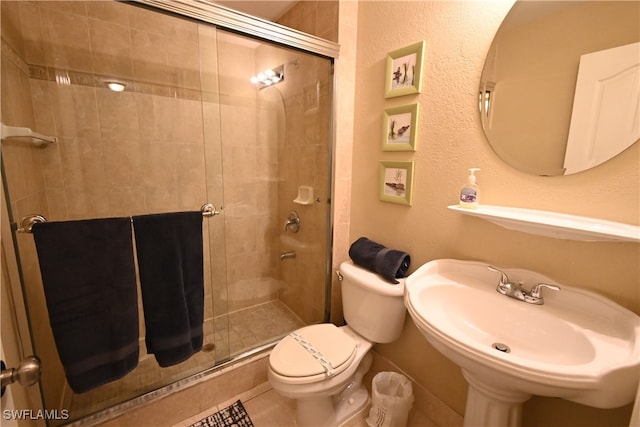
x,y
578,345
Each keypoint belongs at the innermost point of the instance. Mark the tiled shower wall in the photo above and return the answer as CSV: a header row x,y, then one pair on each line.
x,y
23,166
118,154
303,161
250,178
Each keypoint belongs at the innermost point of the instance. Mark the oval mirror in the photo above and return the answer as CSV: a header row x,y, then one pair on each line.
x,y
559,89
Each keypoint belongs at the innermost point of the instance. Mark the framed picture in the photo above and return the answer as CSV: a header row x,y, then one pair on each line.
x,y
404,71
399,128
396,182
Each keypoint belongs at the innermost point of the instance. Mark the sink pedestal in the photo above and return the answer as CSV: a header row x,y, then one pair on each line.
x,y
490,406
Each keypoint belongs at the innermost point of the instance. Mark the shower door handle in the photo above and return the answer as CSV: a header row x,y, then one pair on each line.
x,y
26,374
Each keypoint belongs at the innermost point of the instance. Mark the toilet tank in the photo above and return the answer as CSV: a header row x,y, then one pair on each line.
x,y
373,307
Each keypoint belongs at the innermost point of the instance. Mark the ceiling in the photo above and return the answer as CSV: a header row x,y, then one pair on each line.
x,y
265,9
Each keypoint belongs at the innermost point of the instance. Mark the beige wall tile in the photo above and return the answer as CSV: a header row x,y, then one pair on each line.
x,y
124,161
42,101
109,11
118,114
159,165
32,33
87,203
111,52
67,42
126,201
57,205
75,110
161,198
67,6
187,122
11,27
149,56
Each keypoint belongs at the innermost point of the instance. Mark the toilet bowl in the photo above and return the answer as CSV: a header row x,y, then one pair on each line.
x,y
321,366
324,397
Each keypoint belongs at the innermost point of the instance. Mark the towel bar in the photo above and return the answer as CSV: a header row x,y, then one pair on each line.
x,y
26,225
27,222
209,209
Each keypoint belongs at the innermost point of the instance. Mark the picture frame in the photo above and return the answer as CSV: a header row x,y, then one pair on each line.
x,y
400,128
404,71
396,182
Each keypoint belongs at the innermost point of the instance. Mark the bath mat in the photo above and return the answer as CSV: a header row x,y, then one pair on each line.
x,y
234,415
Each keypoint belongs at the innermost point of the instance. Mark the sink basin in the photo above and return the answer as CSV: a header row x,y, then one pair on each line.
x,y
578,345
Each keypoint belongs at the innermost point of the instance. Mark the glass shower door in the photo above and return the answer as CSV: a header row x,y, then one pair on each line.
x,y
276,150
141,150
188,128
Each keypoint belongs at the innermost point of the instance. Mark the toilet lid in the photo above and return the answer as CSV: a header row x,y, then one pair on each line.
x,y
313,350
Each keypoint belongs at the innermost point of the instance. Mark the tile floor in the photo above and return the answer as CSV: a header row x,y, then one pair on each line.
x,y
266,408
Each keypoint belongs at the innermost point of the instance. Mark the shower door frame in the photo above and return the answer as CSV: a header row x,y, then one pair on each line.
x,y
225,18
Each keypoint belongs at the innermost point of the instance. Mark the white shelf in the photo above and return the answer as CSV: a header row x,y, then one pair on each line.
x,y
305,195
35,138
557,225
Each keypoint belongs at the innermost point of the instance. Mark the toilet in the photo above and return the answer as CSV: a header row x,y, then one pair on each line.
x,y
321,366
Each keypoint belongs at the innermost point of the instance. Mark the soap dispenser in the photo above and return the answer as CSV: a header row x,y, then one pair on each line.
x,y
470,193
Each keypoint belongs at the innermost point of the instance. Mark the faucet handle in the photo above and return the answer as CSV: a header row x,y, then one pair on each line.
x,y
536,291
504,279
293,222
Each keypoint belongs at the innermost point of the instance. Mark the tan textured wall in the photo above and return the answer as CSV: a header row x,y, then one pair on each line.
x,y
450,140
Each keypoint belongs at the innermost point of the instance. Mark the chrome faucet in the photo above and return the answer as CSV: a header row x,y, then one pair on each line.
x,y
516,291
285,255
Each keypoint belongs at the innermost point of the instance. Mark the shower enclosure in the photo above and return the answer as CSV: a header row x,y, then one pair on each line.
x,y
153,111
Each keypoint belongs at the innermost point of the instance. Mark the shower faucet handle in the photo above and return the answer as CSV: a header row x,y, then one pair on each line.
x,y
293,222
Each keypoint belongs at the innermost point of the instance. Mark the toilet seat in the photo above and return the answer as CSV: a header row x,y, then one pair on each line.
x,y
312,353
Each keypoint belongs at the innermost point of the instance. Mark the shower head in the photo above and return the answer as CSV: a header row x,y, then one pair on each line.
x,y
268,77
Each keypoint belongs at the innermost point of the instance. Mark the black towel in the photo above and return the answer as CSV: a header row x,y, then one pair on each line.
x,y
89,283
169,249
389,263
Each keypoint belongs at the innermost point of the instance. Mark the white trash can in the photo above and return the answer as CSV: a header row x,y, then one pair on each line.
x,y
391,400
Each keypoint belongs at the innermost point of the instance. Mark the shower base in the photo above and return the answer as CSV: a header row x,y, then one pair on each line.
x,y
226,337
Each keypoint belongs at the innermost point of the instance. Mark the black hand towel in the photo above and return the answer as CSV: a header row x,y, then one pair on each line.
x,y
89,282
169,249
389,263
